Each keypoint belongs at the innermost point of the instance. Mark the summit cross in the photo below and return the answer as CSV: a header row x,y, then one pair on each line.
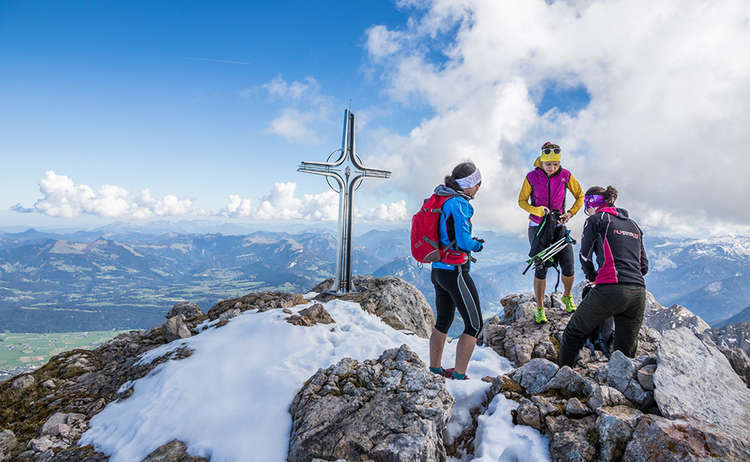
x,y
348,172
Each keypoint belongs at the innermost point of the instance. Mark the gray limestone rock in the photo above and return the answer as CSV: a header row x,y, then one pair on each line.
x,y
535,374
395,301
175,328
174,451
22,382
528,413
315,314
602,395
646,377
659,439
615,426
575,408
391,409
7,443
565,379
188,310
574,440
693,379
621,370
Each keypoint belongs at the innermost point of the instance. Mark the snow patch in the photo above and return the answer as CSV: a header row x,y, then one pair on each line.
x,y
231,397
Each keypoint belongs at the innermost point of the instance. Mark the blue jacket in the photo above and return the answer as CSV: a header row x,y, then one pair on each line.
x,y
459,208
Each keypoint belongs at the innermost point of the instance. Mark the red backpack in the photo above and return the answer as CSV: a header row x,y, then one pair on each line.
x,y
425,235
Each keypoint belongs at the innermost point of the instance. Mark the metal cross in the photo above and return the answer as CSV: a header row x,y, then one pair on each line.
x,y
348,172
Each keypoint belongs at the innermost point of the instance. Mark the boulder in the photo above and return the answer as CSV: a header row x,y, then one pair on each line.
x,y
621,375
534,375
175,328
575,408
7,443
315,314
646,376
23,382
615,426
733,341
693,379
188,310
261,301
657,438
174,451
398,303
390,409
574,440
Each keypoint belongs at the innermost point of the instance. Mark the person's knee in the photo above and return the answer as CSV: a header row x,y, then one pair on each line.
x,y
540,273
471,332
442,325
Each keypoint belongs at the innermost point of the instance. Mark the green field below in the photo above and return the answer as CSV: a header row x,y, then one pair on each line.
x,y
21,352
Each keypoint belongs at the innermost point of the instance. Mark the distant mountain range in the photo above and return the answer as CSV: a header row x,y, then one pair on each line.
x,y
742,316
122,279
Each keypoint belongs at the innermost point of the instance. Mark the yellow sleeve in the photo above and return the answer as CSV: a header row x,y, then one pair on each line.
x,y
523,200
575,188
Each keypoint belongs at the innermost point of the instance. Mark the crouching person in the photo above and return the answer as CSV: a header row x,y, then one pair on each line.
x,y
618,288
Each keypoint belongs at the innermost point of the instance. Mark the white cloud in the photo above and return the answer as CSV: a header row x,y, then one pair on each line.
x,y
305,109
237,207
395,212
293,125
283,204
669,84
63,198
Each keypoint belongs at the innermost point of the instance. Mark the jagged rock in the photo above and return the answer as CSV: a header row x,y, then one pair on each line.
x,y
389,409
261,301
676,316
620,371
733,341
398,303
535,374
188,310
69,426
175,328
44,443
602,395
621,375
79,454
49,384
229,314
615,427
23,382
546,406
565,379
315,314
656,438
646,377
575,408
694,379
574,440
7,443
528,413
174,451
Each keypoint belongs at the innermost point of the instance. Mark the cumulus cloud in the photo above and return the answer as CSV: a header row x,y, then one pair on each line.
x,y
669,87
283,204
305,107
63,198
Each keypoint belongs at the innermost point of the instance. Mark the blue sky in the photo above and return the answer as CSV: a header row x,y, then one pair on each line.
x,y
210,106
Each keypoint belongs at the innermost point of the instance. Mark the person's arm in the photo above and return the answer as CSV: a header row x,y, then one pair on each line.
x,y
588,243
577,191
644,258
461,212
523,200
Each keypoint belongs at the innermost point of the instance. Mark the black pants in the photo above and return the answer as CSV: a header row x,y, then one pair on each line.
x,y
625,303
456,289
565,258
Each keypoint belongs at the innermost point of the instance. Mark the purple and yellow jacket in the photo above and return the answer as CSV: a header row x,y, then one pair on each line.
x,y
618,243
548,191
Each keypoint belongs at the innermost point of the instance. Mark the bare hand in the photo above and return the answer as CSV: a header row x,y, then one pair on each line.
x,y
565,217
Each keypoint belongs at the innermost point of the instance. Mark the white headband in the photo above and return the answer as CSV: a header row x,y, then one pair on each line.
x,y
470,181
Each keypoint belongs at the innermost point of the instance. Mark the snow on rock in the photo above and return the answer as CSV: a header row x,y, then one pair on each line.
x,y
247,373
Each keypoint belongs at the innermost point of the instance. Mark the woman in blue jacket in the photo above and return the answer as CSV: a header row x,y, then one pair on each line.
x,y
454,288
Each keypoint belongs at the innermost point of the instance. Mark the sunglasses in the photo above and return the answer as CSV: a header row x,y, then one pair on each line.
x,y
549,151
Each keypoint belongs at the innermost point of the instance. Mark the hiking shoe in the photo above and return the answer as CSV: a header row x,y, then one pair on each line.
x,y
457,376
540,317
570,305
448,373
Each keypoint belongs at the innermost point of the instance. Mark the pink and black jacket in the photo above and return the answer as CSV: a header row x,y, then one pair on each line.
x,y
618,243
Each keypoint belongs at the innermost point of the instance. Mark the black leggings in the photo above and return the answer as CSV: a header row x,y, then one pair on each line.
x,y
625,302
565,258
456,289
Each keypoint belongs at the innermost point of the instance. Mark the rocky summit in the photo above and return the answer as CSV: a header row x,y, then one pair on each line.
x,y
683,397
